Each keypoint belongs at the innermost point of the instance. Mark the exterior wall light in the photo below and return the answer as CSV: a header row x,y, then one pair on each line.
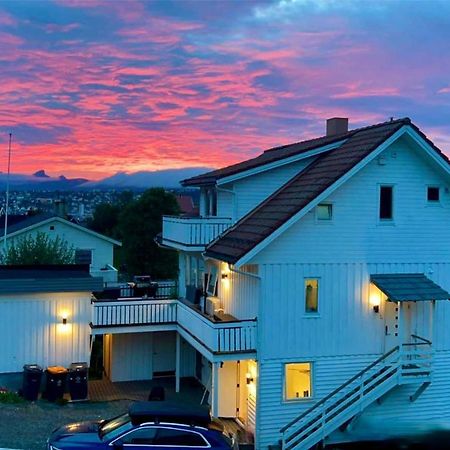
x,y
64,321
224,276
375,298
249,378
376,308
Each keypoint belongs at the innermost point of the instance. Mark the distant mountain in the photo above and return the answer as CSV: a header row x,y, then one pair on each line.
x,y
40,174
169,178
40,181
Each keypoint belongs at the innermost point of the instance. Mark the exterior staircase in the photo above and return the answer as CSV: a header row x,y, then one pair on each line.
x,y
405,364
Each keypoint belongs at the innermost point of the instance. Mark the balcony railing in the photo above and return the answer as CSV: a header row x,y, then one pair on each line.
x,y
181,232
235,336
133,311
218,337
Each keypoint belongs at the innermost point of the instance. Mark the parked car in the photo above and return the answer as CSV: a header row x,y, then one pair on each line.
x,y
155,425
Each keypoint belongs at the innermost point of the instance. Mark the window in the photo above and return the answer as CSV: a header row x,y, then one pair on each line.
x,y
297,380
179,438
211,287
386,203
433,194
311,295
141,436
324,212
83,256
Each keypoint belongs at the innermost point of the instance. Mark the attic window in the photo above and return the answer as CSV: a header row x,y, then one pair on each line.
x,y
386,203
52,227
324,212
433,194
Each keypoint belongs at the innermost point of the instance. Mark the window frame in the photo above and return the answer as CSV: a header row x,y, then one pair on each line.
x,y
311,313
386,221
311,382
433,202
326,221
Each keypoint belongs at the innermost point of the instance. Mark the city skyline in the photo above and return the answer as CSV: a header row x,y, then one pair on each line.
x,y
92,88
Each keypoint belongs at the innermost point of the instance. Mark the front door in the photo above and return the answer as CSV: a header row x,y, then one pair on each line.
x,y
391,330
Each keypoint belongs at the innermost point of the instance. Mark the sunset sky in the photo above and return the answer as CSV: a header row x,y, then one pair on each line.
x,y
89,88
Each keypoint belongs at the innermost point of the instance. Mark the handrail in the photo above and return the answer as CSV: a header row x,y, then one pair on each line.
x,y
420,338
342,386
197,217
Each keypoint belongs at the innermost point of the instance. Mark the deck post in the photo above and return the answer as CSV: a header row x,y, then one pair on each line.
x,y
177,363
215,389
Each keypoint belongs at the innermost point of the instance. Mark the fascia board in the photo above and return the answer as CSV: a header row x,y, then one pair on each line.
x,y
279,163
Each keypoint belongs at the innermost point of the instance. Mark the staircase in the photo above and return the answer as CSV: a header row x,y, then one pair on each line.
x,y
405,364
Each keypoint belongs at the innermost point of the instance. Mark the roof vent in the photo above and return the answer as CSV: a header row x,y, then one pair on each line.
x,y
337,125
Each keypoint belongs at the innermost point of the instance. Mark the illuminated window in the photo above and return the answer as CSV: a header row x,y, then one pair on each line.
x,y
324,212
311,295
297,380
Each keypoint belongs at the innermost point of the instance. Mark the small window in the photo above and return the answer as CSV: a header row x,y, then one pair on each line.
x,y
297,380
311,295
324,212
52,227
433,194
386,203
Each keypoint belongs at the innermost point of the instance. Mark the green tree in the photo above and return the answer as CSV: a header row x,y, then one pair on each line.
x,y
139,223
38,249
105,219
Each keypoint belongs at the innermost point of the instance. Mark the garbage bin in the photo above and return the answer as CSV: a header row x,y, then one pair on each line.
x,y
56,382
78,381
32,376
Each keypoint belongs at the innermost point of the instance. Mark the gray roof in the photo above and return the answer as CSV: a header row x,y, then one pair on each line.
x,y
35,279
20,222
405,287
299,191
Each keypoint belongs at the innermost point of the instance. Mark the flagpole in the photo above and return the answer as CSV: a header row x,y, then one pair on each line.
x,y
7,193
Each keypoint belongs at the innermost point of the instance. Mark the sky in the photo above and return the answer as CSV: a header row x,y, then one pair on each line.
x,y
90,88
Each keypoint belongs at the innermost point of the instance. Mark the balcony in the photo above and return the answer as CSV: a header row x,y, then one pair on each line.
x,y
192,233
211,337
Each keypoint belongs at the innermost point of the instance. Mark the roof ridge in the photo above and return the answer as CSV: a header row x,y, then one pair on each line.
x,y
406,120
270,155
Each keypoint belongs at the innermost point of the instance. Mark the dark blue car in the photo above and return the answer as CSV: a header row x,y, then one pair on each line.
x,y
152,425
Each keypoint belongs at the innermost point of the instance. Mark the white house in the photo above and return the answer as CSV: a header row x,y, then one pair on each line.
x,y
45,314
327,270
91,248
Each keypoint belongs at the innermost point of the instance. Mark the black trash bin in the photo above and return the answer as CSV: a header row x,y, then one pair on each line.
x,y
78,381
32,376
56,382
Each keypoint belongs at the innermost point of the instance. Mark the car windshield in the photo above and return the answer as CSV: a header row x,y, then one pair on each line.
x,y
113,427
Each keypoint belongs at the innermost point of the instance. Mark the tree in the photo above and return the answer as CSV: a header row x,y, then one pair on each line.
x,y
139,223
38,249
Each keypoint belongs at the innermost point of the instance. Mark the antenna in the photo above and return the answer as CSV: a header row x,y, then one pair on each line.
x,y
7,192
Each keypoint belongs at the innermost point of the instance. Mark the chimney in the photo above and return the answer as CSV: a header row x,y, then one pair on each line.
x,y
337,125
60,208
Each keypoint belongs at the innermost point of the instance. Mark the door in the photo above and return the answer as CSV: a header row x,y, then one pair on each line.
x,y
409,314
228,389
391,314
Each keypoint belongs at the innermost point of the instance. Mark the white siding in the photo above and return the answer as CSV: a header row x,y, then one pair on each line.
x,y
252,190
239,293
419,232
32,330
102,250
347,334
129,365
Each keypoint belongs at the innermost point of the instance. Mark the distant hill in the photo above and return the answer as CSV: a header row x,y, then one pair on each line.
x,y
169,178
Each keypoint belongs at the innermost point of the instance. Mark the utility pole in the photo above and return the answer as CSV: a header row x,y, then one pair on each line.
x,y
7,192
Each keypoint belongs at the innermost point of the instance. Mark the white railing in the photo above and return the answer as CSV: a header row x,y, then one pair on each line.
x,y
409,363
133,311
193,231
218,337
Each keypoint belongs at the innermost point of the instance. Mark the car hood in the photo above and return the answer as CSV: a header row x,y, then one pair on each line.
x,y
77,432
